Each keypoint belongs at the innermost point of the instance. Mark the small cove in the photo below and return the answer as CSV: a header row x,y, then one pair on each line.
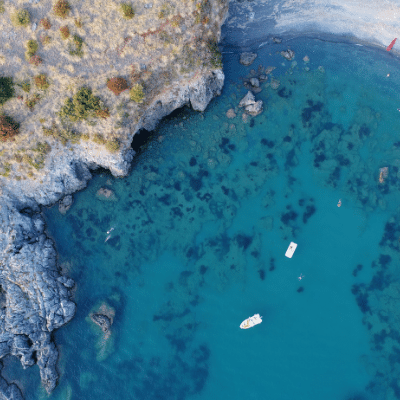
x,y
201,226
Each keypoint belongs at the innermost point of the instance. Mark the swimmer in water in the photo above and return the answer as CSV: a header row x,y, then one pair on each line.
x,y
339,203
300,277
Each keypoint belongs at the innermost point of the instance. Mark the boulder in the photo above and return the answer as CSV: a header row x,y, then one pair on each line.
x,y
247,100
255,82
247,58
255,109
288,54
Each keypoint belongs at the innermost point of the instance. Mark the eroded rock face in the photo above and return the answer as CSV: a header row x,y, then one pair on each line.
x,y
36,297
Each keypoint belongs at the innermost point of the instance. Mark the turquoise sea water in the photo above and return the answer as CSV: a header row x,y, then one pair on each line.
x,y
201,227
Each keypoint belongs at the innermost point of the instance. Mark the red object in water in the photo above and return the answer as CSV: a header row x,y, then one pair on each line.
x,y
391,44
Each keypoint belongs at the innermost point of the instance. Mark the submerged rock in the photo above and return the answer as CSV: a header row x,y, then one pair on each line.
x,y
102,321
106,194
231,113
247,58
65,204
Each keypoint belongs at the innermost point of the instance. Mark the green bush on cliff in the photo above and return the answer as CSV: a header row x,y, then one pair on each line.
x,y
61,8
31,48
136,93
215,54
6,89
127,11
113,145
20,18
76,49
83,105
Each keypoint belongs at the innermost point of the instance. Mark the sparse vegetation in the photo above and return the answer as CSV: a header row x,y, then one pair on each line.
x,y
117,85
35,60
127,11
215,54
8,128
99,139
61,8
39,158
78,23
31,48
136,93
41,81
6,89
25,86
2,8
112,145
45,22
165,11
6,169
20,18
32,101
64,30
46,40
63,135
77,50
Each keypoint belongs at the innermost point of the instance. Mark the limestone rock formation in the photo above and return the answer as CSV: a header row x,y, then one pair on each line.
x,y
35,298
250,104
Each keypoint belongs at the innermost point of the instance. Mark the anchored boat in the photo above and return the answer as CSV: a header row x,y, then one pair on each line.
x,y
290,251
251,321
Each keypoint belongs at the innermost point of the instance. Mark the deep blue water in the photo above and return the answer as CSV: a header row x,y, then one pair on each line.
x,y
201,226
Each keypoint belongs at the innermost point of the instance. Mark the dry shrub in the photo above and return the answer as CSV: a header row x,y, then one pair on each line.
x,y
105,113
8,128
117,85
45,22
41,81
61,8
64,30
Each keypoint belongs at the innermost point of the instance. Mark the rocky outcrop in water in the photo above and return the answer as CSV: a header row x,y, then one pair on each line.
x,y
35,298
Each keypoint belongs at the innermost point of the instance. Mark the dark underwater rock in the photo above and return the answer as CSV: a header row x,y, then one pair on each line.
x,y
102,321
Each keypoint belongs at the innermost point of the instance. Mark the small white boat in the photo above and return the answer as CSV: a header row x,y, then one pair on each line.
x,y
290,251
251,321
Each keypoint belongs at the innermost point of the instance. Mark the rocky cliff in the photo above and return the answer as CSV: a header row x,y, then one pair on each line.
x,y
93,74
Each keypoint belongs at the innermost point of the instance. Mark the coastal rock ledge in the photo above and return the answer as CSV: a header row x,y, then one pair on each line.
x,y
69,104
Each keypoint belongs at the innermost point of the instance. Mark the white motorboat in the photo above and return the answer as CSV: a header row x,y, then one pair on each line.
x,y
290,251
251,321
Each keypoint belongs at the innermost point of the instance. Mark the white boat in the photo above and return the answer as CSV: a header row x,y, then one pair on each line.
x,y
290,251
251,321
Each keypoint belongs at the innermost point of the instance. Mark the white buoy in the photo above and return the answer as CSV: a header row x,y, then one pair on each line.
x,y
290,251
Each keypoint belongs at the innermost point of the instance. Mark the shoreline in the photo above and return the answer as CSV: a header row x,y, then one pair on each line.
x,y
24,231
